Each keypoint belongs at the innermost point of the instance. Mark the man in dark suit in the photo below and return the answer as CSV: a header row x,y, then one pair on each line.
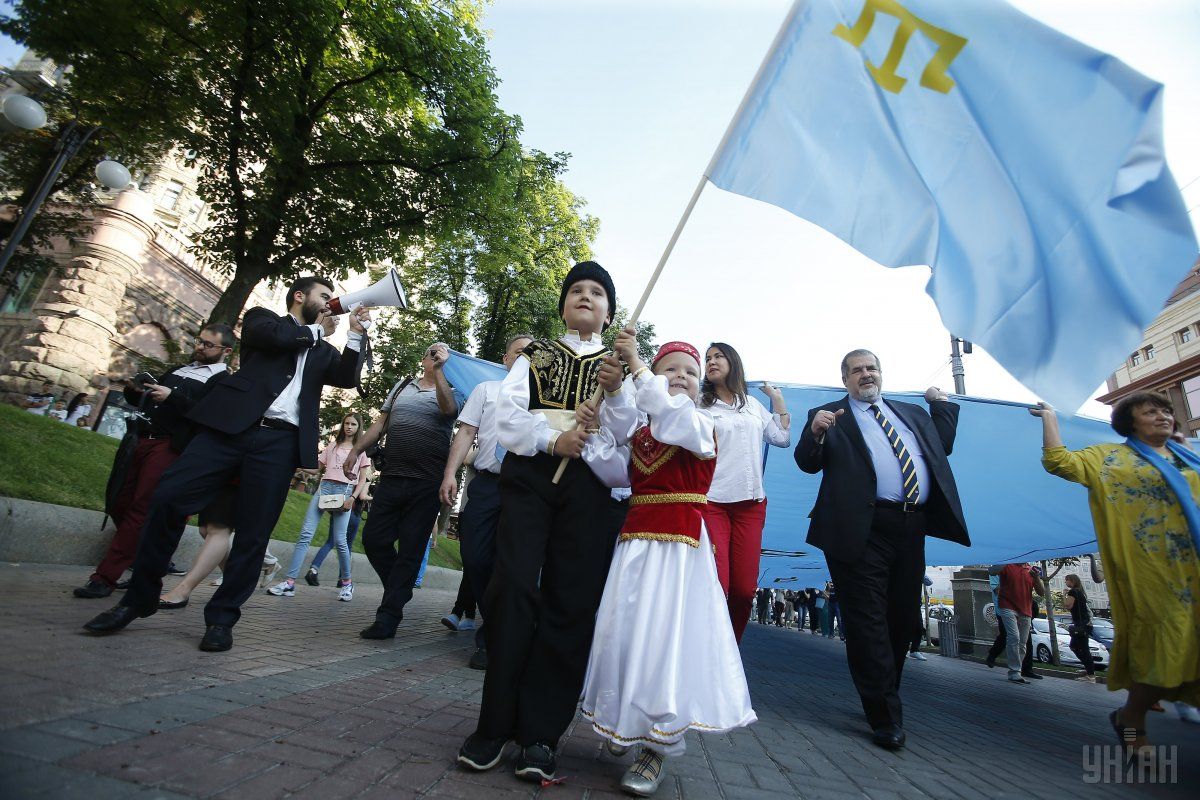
x,y
886,484
257,426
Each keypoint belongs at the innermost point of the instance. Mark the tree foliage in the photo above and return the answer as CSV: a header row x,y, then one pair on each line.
x,y
332,134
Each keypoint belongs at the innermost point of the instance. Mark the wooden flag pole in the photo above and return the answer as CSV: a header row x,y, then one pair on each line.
x,y
776,43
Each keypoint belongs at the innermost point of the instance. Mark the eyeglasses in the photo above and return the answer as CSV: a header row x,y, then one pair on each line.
x,y
203,345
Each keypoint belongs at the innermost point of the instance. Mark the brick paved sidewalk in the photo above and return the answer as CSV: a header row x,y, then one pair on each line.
x,y
302,705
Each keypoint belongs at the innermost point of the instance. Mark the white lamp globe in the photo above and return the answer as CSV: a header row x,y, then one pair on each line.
x,y
112,174
24,112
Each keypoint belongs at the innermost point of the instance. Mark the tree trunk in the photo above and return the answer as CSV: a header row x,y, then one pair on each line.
x,y
1050,621
229,306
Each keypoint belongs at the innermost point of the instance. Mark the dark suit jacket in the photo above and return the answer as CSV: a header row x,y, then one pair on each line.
x,y
841,518
270,344
170,416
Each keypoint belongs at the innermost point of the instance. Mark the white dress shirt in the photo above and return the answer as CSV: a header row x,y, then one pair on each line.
x,y
200,372
286,407
740,436
480,413
889,485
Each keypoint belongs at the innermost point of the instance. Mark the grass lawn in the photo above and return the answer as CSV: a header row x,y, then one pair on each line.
x,y
44,460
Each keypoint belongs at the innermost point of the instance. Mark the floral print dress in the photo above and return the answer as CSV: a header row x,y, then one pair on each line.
x,y
1150,565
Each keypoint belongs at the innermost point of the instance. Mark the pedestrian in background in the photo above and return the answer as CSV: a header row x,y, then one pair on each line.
x,y
1017,584
1081,626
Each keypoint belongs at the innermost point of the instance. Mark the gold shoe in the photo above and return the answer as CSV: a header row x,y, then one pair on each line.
x,y
643,778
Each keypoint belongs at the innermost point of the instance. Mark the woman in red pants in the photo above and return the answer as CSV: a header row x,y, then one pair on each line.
x,y
737,505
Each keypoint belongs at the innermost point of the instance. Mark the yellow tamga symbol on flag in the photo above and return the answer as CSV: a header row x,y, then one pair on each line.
x,y
934,77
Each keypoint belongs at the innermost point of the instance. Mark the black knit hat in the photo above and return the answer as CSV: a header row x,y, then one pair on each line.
x,y
589,271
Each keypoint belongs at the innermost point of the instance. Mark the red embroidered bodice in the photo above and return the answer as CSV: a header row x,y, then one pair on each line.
x,y
670,486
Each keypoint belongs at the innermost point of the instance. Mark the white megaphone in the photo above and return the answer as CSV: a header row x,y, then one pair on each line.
x,y
387,291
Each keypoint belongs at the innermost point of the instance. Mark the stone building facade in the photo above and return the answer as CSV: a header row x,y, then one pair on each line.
x,y
118,292
1168,359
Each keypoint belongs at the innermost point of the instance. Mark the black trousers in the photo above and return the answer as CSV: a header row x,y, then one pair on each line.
x,y
539,629
263,460
395,537
1082,650
879,595
477,526
464,603
1001,643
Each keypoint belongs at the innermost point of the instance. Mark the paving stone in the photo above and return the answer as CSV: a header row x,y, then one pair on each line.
x,y
346,718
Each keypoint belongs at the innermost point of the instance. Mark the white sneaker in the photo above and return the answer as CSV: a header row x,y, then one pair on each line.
x,y
466,624
1188,713
451,622
346,593
217,581
283,589
919,656
270,569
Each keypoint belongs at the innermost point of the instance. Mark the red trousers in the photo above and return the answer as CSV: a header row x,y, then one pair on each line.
x,y
150,459
735,529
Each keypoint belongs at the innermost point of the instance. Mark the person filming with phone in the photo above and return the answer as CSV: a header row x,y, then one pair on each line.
x,y
163,431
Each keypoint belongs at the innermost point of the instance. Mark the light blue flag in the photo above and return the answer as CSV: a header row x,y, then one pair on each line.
x,y
1025,168
466,372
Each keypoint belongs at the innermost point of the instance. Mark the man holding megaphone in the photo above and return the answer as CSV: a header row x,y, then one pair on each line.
x,y
257,426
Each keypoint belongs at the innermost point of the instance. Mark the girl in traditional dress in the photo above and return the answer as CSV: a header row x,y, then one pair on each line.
x,y
653,676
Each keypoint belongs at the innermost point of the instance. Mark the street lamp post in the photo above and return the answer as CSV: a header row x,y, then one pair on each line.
x,y
72,139
956,363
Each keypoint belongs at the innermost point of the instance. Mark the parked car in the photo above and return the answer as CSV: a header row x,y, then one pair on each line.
x,y
937,612
1042,651
1103,632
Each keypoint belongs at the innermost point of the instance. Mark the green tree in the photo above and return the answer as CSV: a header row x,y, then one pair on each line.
x,y
333,134
522,248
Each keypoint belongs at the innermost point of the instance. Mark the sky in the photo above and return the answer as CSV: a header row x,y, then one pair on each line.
x,y
640,93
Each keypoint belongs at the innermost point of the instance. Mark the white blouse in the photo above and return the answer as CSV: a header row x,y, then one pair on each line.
x,y
740,434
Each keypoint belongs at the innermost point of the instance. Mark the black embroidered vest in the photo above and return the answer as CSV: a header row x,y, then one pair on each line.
x,y
558,377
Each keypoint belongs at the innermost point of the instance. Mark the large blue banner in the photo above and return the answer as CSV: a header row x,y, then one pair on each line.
x,y
1015,510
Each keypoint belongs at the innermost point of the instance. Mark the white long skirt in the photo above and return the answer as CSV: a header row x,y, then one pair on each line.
x,y
664,660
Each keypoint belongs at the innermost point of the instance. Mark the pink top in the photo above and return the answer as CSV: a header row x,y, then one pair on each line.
x,y
333,458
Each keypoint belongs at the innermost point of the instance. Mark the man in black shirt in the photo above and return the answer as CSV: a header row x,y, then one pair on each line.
x,y
161,438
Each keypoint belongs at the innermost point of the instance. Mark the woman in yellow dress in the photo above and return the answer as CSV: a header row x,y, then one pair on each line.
x,y
1143,496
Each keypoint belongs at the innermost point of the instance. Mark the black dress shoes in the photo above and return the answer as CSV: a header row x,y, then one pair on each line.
x,y
217,639
171,605
93,590
479,659
384,627
113,620
889,737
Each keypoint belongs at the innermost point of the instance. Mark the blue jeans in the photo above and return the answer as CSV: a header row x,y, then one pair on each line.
x,y
338,520
351,533
424,562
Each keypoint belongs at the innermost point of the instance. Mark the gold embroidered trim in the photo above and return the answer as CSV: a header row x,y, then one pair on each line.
x,y
669,497
651,468
659,537
541,355
673,736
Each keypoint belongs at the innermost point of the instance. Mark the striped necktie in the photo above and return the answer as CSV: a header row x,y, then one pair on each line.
x,y
908,473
